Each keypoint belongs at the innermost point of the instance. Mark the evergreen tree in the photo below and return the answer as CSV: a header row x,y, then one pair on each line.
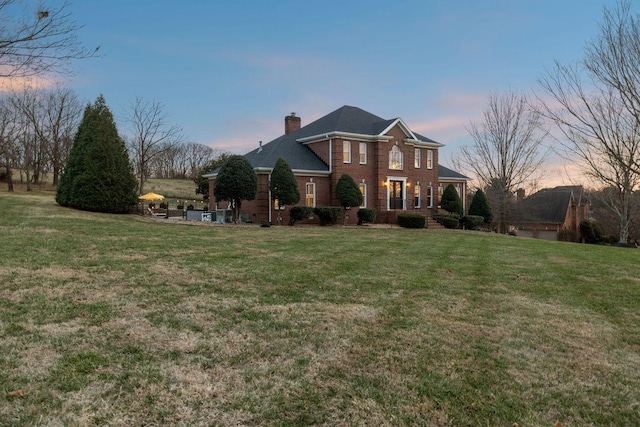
x,y
348,193
236,181
450,201
202,183
98,175
480,206
283,185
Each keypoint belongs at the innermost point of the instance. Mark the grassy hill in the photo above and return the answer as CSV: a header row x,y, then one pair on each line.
x,y
122,320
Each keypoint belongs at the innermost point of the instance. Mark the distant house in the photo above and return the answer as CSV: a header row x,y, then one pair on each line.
x,y
543,214
396,169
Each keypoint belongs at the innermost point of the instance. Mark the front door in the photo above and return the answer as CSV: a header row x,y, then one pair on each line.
x,y
396,196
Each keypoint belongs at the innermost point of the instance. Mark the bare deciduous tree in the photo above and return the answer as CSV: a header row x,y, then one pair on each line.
x,y
151,135
596,107
507,150
37,42
8,136
53,116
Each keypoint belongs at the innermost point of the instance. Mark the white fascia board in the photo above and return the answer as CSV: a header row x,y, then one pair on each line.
x,y
210,175
419,143
449,179
301,172
344,135
403,127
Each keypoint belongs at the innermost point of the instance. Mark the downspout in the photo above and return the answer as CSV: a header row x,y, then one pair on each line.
x,y
330,154
269,204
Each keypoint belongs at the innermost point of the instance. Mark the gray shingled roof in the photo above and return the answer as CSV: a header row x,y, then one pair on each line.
x,y
444,172
548,205
345,119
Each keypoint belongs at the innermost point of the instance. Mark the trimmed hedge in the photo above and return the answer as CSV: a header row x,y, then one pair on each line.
x,y
567,235
472,222
366,215
327,214
449,221
407,220
298,213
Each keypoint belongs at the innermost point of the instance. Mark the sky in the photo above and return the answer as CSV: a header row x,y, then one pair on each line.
x,y
228,72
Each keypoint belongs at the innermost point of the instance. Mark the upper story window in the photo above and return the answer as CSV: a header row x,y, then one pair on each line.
x,y
395,158
429,159
346,151
416,158
363,153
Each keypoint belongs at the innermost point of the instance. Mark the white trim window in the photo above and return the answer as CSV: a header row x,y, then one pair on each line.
x,y
416,196
416,158
363,153
310,198
346,151
363,190
429,196
395,158
429,159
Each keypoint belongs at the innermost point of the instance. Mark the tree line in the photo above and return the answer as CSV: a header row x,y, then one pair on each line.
x,y
37,127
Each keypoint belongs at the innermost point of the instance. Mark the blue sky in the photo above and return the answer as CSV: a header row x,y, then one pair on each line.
x,y
228,72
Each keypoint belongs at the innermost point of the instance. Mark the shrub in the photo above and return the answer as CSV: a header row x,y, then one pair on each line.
x,y
450,200
190,208
366,215
298,213
449,221
472,222
407,220
327,214
480,206
567,236
591,232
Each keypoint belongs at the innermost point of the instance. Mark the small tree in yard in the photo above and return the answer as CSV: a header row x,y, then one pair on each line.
x,y
283,185
451,200
236,181
480,206
348,194
98,175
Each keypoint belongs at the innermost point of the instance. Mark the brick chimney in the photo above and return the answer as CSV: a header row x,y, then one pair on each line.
x,y
291,123
519,194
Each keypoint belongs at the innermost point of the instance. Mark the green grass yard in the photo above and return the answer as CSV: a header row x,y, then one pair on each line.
x,y
122,320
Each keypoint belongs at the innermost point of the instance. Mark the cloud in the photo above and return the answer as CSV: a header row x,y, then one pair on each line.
x,y
10,84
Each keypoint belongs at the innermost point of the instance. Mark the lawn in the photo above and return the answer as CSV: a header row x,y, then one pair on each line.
x,y
122,320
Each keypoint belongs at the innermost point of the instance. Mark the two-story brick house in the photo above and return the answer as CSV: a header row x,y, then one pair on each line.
x,y
396,168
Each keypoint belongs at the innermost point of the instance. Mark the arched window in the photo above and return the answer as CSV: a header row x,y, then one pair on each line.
x,y
395,158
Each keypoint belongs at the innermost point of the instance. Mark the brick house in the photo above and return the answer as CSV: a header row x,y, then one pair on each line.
x,y
543,214
397,169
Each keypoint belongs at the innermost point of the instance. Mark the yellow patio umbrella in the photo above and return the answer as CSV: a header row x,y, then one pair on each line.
x,y
151,196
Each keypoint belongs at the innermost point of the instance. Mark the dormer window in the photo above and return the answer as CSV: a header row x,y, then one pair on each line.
x,y
395,158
